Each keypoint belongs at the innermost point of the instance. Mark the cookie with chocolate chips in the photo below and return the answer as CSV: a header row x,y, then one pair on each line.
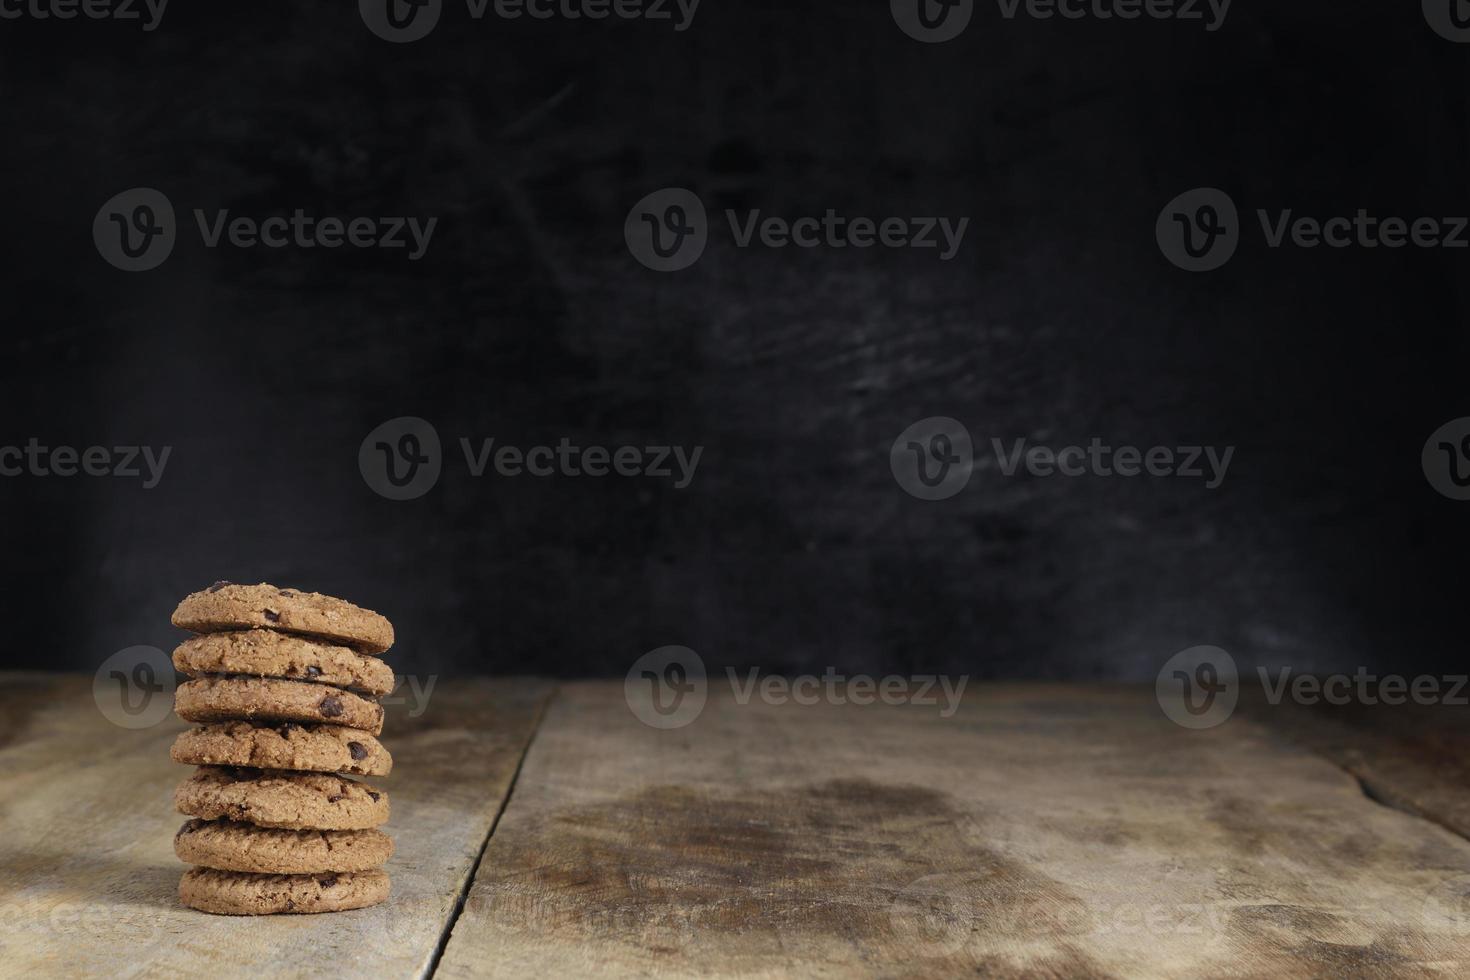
x,y
226,606
272,798
265,699
240,893
267,653
287,745
226,845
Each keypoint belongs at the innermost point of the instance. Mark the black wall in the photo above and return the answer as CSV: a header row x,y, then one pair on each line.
x,y
528,320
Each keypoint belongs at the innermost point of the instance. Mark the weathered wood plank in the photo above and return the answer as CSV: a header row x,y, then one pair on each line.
x,y
88,877
1415,757
1040,832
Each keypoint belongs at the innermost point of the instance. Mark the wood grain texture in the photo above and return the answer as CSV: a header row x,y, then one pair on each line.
x,y
1415,757
88,877
1040,832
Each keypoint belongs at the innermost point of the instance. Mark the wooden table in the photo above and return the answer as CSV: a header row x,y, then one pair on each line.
x,y
544,831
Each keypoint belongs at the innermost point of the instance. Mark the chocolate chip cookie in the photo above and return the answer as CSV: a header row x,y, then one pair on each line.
x,y
229,846
288,745
226,606
271,798
266,653
270,700
239,893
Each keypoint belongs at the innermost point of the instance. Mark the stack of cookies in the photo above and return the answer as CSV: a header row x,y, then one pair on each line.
x,y
284,688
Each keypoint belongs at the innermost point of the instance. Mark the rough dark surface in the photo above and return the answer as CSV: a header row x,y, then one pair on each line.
x,y
528,321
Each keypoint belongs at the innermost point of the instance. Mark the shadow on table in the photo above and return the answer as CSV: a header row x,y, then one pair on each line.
x,y
76,889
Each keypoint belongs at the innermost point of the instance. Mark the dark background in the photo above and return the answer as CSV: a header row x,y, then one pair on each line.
x,y
528,321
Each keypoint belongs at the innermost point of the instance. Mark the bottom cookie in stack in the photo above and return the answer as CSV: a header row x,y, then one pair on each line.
x,y
269,841
235,893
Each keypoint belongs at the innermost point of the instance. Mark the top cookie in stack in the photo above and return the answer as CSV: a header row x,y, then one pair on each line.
x,y
284,686
224,606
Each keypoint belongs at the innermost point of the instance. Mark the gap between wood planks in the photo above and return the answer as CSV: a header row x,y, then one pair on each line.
x,y
1387,800
1384,763
1380,792
469,881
